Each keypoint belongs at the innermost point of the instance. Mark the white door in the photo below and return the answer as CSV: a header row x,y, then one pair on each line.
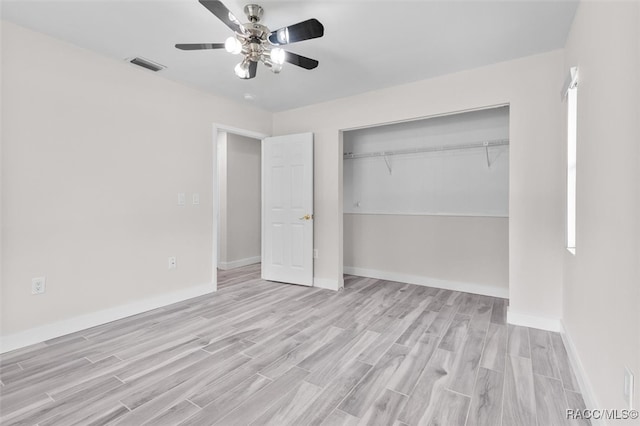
x,y
287,209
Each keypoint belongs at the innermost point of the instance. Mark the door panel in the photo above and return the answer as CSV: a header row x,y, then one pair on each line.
x,y
287,207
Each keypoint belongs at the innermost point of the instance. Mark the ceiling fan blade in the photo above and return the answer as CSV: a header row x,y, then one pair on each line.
x,y
301,61
200,46
253,68
224,14
306,30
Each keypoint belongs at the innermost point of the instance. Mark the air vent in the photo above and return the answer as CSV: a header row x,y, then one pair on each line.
x,y
145,63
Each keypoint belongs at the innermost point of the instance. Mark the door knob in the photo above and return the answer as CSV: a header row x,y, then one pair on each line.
x,y
306,217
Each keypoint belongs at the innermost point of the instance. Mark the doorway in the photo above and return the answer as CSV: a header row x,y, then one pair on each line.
x,y
244,145
239,200
256,176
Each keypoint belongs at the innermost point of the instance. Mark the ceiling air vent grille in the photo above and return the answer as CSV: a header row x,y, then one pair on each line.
x,y
145,63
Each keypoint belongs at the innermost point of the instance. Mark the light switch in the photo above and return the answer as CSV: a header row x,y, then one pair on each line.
x,y
196,199
182,200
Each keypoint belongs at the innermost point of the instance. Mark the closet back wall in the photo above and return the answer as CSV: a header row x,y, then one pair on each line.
x,y
460,252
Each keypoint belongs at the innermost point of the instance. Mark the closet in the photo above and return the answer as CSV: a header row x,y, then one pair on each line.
x,y
427,201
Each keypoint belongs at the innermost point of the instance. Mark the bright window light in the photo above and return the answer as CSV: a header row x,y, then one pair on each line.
x,y
572,120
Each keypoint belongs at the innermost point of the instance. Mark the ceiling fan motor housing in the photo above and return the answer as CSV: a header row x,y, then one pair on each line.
x,y
253,12
253,41
256,31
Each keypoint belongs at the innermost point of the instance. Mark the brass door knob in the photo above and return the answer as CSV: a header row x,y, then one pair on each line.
x,y
306,217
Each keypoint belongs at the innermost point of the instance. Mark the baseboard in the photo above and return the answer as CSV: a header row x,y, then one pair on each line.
x,y
429,282
82,322
239,263
586,389
326,283
534,321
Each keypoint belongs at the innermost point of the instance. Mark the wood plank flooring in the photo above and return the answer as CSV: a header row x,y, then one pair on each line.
x,y
263,353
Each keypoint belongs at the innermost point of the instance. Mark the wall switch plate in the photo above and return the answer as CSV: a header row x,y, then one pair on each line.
x,y
196,198
172,263
182,199
315,253
38,285
628,387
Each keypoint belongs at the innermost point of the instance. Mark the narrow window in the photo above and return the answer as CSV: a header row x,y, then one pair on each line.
x,y
572,124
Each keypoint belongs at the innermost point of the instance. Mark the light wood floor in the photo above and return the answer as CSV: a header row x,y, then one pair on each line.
x,y
256,352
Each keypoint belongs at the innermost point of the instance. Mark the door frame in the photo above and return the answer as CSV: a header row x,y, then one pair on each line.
x,y
218,128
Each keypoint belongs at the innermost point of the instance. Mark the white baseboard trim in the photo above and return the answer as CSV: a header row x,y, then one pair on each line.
x,y
586,389
239,263
534,321
429,282
326,283
82,322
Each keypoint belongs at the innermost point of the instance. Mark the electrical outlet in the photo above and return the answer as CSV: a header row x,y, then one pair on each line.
x,y
182,199
38,285
315,253
628,387
196,198
172,263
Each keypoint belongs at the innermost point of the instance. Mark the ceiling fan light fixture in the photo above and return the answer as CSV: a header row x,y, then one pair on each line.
x,y
276,68
242,69
233,46
277,56
283,35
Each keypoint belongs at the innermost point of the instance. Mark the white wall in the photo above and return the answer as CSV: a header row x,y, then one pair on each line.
x,y
470,253
94,154
240,201
2,173
222,197
602,281
531,87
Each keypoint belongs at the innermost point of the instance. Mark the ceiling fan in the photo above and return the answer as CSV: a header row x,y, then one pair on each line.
x,y
257,43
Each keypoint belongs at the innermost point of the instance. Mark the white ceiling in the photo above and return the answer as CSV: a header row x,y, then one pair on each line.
x,y
367,45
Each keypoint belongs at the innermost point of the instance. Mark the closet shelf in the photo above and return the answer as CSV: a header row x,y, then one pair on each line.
x,y
484,144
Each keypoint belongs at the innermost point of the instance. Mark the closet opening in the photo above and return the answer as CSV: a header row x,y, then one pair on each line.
x,y
427,201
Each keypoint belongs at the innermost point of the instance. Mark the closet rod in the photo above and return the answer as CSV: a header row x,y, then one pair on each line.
x,y
485,144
